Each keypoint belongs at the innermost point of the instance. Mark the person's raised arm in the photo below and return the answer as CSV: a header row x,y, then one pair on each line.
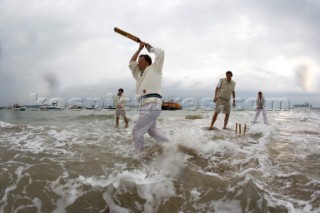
x,y
136,54
148,46
159,56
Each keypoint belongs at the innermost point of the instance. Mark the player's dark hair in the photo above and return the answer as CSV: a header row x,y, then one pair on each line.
x,y
229,73
147,58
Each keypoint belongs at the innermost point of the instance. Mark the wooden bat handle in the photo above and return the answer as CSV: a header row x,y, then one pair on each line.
x,y
126,34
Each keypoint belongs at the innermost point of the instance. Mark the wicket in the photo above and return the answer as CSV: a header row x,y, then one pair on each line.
x,y
244,129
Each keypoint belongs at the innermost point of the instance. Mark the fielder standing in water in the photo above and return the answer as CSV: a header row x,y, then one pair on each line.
x,y
261,107
119,102
148,77
222,96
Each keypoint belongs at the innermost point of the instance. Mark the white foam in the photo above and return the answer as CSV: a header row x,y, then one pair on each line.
x,y
69,192
156,175
153,187
113,207
4,124
10,188
96,181
227,206
60,138
206,146
195,195
171,163
37,203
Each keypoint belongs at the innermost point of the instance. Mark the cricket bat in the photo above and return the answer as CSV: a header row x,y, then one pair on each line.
x,y
126,34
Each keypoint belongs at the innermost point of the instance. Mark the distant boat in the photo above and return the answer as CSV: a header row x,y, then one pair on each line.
x,y
170,105
306,105
110,107
91,107
19,108
49,107
75,107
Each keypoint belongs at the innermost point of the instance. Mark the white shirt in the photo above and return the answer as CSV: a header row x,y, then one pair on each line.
x,y
150,80
261,103
119,101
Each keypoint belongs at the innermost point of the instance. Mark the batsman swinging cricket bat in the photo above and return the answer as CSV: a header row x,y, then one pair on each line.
x,y
128,35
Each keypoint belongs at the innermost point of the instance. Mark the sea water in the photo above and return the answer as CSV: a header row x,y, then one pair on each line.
x,y
77,161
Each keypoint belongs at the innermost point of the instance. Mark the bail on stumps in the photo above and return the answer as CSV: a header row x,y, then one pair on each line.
x,y
238,126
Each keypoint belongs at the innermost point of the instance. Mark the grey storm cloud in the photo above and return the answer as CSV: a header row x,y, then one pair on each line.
x,y
65,47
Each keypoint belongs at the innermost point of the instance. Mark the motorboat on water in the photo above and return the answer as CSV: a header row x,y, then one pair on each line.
x,y
170,105
19,108
75,107
91,108
306,105
50,107
110,107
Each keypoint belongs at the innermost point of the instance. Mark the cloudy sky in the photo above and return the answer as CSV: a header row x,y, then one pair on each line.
x,y
69,49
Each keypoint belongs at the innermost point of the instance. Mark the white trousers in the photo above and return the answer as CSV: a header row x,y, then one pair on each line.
x,y
147,123
264,113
